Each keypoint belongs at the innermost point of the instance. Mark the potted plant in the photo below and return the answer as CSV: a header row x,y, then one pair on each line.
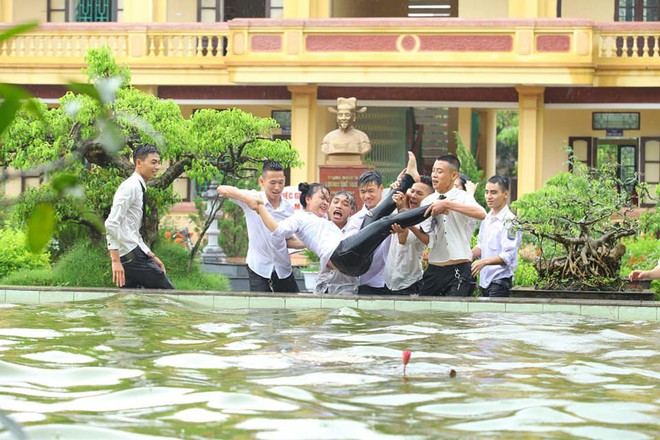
x,y
577,222
310,272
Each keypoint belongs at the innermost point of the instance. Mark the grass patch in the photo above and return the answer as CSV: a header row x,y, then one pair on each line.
x,y
88,265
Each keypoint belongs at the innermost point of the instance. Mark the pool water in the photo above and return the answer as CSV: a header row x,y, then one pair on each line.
x,y
149,367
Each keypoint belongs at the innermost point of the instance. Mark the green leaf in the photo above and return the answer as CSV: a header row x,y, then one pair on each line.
x,y
64,181
86,89
19,29
12,97
41,227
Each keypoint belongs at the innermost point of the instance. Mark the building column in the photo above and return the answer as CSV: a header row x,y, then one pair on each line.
x,y
304,111
7,12
532,8
307,9
160,11
465,127
530,139
490,166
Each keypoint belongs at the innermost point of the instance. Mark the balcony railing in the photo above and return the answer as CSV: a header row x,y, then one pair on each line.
x,y
362,50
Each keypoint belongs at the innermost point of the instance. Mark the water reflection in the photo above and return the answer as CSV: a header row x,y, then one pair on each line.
x,y
147,367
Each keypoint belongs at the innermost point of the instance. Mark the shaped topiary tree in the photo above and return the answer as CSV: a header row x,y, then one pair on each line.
x,y
577,220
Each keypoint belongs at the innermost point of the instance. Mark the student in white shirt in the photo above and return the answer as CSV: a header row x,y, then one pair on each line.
x,y
133,263
330,280
403,273
448,272
350,255
268,261
497,245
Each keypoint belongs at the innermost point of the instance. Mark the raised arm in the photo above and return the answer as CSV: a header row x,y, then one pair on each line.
x,y
231,192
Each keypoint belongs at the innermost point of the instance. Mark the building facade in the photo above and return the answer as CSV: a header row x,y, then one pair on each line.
x,y
583,74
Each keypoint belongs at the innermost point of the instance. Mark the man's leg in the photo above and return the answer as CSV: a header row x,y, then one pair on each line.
x,y
286,285
459,285
354,254
144,271
435,281
257,282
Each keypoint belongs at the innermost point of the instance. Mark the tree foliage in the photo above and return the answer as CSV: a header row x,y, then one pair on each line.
x,y
89,139
578,220
470,168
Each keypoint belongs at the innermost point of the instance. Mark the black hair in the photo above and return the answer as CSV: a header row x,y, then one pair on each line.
x,y
426,180
451,160
271,165
349,195
463,178
142,151
308,190
370,176
502,181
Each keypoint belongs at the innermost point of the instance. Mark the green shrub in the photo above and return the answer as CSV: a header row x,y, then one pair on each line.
x,y
525,274
88,265
14,254
641,253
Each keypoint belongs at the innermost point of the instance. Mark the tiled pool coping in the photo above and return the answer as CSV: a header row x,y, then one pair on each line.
x,y
613,309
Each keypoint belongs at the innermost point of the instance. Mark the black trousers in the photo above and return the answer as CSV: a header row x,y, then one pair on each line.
x,y
142,271
498,288
451,280
354,254
272,284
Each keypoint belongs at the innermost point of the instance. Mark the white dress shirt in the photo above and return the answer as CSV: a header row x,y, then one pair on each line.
x,y
448,234
333,282
404,262
123,224
318,233
375,276
496,238
266,254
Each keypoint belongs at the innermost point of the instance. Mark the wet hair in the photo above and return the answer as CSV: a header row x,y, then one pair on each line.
x,y
349,196
426,180
370,176
463,178
271,165
308,190
502,181
142,151
451,160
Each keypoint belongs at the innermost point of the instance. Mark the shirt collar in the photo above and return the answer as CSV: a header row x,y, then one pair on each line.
x,y
140,179
500,215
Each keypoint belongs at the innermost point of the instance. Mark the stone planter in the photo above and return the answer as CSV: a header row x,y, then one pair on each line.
x,y
531,292
310,279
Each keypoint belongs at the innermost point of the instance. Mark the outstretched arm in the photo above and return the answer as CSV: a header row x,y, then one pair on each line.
x,y
231,192
652,274
266,217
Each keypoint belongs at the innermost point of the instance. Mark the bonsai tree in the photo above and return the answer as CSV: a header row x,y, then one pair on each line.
x,y
577,221
88,140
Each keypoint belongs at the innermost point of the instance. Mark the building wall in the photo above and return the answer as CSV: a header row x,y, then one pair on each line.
x,y
29,10
596,10
482,9
560,124
181,11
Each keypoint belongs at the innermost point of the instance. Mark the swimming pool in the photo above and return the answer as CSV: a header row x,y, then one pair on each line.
x,y
134,366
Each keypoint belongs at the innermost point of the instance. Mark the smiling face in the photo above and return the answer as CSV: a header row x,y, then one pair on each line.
x,y
496,197
340,210
273,183
443,176
417,193
148,167
370,194
318,202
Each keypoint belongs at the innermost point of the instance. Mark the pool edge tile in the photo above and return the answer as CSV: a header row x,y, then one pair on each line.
x,y
16,296
303,303
266,302
449,306
231,302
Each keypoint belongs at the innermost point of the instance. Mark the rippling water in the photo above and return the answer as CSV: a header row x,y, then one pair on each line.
x,y
147,367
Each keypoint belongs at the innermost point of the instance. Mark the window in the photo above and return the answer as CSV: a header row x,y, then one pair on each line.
x,y
59,11
283,118
615,121
275,8
636,10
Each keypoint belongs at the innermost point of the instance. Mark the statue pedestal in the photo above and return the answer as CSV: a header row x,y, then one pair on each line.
x,y
343,178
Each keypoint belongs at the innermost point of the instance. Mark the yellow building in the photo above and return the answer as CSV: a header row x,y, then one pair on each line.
x,y
583,73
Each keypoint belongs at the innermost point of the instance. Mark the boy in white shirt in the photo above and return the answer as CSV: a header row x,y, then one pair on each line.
x,y
448,272
497,245
268,261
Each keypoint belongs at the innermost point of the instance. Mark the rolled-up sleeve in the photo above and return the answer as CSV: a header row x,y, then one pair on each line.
x,y
510,243
287,227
